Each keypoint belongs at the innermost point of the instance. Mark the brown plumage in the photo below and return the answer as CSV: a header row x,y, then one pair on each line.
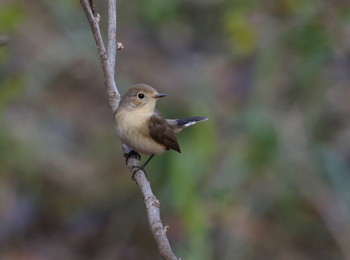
x,y
162,133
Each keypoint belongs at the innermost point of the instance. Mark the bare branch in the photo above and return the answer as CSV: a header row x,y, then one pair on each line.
x,y
92,6
108,64
112,34
152,205
108,71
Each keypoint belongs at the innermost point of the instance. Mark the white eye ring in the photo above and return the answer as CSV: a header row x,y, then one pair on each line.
x,y
140,95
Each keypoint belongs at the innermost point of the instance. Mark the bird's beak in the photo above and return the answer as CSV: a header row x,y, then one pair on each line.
x,y
159,95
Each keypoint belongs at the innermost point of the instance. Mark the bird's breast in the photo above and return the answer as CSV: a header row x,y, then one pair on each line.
x,y
132,129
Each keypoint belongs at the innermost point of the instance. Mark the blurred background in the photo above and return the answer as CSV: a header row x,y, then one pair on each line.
x,y
267,177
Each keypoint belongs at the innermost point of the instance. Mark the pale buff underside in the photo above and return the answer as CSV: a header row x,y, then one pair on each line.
x,y
136,134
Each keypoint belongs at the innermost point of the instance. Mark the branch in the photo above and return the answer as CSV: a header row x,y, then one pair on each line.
x,y
152,205
112,34
108,65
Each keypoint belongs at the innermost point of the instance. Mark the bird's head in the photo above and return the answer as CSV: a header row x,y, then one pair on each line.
x,y
140,96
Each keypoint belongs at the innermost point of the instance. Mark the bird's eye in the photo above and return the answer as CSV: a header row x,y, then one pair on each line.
x,y
140,95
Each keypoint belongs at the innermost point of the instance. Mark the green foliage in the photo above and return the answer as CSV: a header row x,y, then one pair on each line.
x,y
158,12
10,17
241,34
261,146
310,40
10,89
7,148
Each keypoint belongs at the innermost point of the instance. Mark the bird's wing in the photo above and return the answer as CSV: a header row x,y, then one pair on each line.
x,y
160,131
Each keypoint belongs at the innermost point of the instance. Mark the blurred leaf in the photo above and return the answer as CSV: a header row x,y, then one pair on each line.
x,y
16,157
10,89
261,144
310,46
288,7
4,54
240,32
158,12
337,171
345,14
7,148
310,40
10,16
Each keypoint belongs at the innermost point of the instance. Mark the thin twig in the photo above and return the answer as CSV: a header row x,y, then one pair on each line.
x,y
108,65
112,34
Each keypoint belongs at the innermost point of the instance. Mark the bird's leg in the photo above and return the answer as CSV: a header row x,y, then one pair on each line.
x,y
141,167
148,160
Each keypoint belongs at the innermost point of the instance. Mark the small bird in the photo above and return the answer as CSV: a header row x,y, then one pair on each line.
x,y
140,126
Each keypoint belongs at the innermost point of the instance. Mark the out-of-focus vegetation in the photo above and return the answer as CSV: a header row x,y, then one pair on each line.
x,y
267,177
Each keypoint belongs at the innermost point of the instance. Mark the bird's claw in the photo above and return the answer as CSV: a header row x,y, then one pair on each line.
x,y
130,154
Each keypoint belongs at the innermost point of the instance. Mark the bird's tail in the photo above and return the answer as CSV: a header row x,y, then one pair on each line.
x,y
178,125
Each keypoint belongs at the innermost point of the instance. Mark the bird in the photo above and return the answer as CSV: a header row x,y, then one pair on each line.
x,y
142,128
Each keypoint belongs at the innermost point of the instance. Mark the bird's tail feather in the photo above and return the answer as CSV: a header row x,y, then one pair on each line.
x,y
186,122
179,124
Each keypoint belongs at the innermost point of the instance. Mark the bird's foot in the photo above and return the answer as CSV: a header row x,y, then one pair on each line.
x,y
137,168
133,154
